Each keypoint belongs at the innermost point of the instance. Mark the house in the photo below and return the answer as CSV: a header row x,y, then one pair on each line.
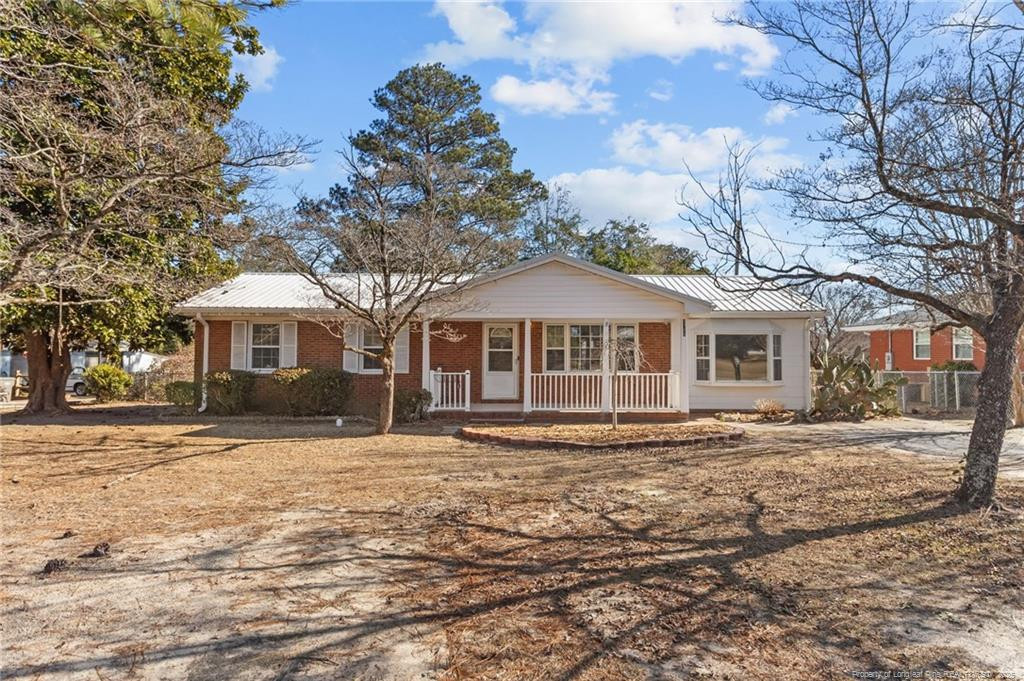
x,y
534,341
904,341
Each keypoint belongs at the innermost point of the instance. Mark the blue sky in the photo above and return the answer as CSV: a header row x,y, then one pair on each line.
x,y
604,99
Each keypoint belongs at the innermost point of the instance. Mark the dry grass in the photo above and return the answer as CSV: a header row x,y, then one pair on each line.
x,y
604,433
274,549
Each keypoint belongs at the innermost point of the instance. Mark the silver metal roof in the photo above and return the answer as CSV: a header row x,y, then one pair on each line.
x,y
732,294
287,292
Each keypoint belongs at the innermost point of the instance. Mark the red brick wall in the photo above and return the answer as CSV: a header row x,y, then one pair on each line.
x,y
459,355
903,350
316,348
656,347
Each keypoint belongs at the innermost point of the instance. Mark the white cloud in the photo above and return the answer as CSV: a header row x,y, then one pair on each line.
x,y
722,66
666,146
778,113
554,96
662,90
613,193
259,69
584,39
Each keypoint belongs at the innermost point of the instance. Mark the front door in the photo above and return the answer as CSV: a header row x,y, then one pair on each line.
x,y
500,361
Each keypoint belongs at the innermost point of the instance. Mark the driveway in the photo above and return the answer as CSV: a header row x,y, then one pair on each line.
x,y
945,439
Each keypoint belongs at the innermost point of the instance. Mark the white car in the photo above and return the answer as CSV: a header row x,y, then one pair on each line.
x,y
76,381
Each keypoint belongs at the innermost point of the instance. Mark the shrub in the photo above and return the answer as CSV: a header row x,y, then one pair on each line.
x,y
314,392
768,408
181,393
229,392
107,382
411,404
955,365
846,390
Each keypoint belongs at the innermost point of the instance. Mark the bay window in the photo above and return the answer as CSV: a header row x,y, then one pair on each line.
x,y
738,357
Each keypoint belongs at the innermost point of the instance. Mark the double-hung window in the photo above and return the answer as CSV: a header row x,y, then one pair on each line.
x,y
703,357
371,342
776,357
922,343
963,344
266,346
572,347
625,347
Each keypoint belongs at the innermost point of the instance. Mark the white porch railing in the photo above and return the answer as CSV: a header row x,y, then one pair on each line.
x,y
449,390
567,391
646,392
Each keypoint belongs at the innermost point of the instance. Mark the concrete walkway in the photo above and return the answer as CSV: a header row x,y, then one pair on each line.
x,y
945,439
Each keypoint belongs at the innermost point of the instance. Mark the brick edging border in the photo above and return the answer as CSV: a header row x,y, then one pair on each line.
x,y
731,435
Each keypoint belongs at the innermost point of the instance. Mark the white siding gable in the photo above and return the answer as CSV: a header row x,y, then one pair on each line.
x,y
558,291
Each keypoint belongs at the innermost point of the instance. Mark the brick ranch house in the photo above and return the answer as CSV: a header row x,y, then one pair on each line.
x,y
905,342
534,339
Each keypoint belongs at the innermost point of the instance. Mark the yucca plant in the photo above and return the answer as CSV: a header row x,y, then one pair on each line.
x,y
847,391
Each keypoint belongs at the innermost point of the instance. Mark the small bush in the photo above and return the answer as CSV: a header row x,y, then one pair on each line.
x,y
955,365
768,408
181,393
411,404
107,382
229,392
314,392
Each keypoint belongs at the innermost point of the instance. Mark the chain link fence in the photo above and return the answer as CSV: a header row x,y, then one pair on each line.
x,y
931,392
148,386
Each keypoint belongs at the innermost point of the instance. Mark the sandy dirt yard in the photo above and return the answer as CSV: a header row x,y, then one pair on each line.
x,y
276,549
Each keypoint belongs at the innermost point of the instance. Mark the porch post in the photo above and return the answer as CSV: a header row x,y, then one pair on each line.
x,y
606,369
527,368
425,364
675,362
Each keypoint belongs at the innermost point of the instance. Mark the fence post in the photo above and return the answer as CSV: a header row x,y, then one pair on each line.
x,y
956,388
469,401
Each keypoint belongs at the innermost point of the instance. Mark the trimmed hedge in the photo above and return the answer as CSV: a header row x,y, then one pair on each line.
x,y
107,382
229,392
314,392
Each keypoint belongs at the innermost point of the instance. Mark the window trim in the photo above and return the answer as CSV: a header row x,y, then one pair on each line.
x,y
968,343
913,339
252,346
636,346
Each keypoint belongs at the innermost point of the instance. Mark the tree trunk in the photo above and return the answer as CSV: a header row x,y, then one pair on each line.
x,y
385,414
995,388
48,372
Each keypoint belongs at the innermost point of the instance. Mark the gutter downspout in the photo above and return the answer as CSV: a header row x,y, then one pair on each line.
x,y
206,361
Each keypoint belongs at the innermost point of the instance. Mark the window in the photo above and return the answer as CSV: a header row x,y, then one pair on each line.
x,y
703,357
372,342
585,347
500,350
554,343
922,344
266,346
963,344
625,347
581,342
777,357
741,357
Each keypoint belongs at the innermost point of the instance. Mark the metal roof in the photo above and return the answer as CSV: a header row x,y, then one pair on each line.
x,y
289,292
732,294
918,318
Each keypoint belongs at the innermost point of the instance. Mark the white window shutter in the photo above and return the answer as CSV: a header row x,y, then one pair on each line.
x,y
289,344
402,351
238,345
350,362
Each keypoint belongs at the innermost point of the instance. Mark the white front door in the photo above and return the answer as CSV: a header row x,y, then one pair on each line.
x,y
500,361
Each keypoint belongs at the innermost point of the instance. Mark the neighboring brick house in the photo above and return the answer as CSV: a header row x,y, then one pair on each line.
x,y
905,342
699,342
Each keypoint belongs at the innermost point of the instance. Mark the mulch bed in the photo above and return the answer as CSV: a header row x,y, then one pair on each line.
x,y
601,436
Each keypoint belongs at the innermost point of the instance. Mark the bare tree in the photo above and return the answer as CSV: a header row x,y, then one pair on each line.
x,y
920,186
844,305
430,202
719,213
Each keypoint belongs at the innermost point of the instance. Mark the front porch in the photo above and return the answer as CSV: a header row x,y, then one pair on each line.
x,y
541,369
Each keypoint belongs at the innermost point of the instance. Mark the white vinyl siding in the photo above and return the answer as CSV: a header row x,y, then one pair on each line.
x,y
922,344
963,344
